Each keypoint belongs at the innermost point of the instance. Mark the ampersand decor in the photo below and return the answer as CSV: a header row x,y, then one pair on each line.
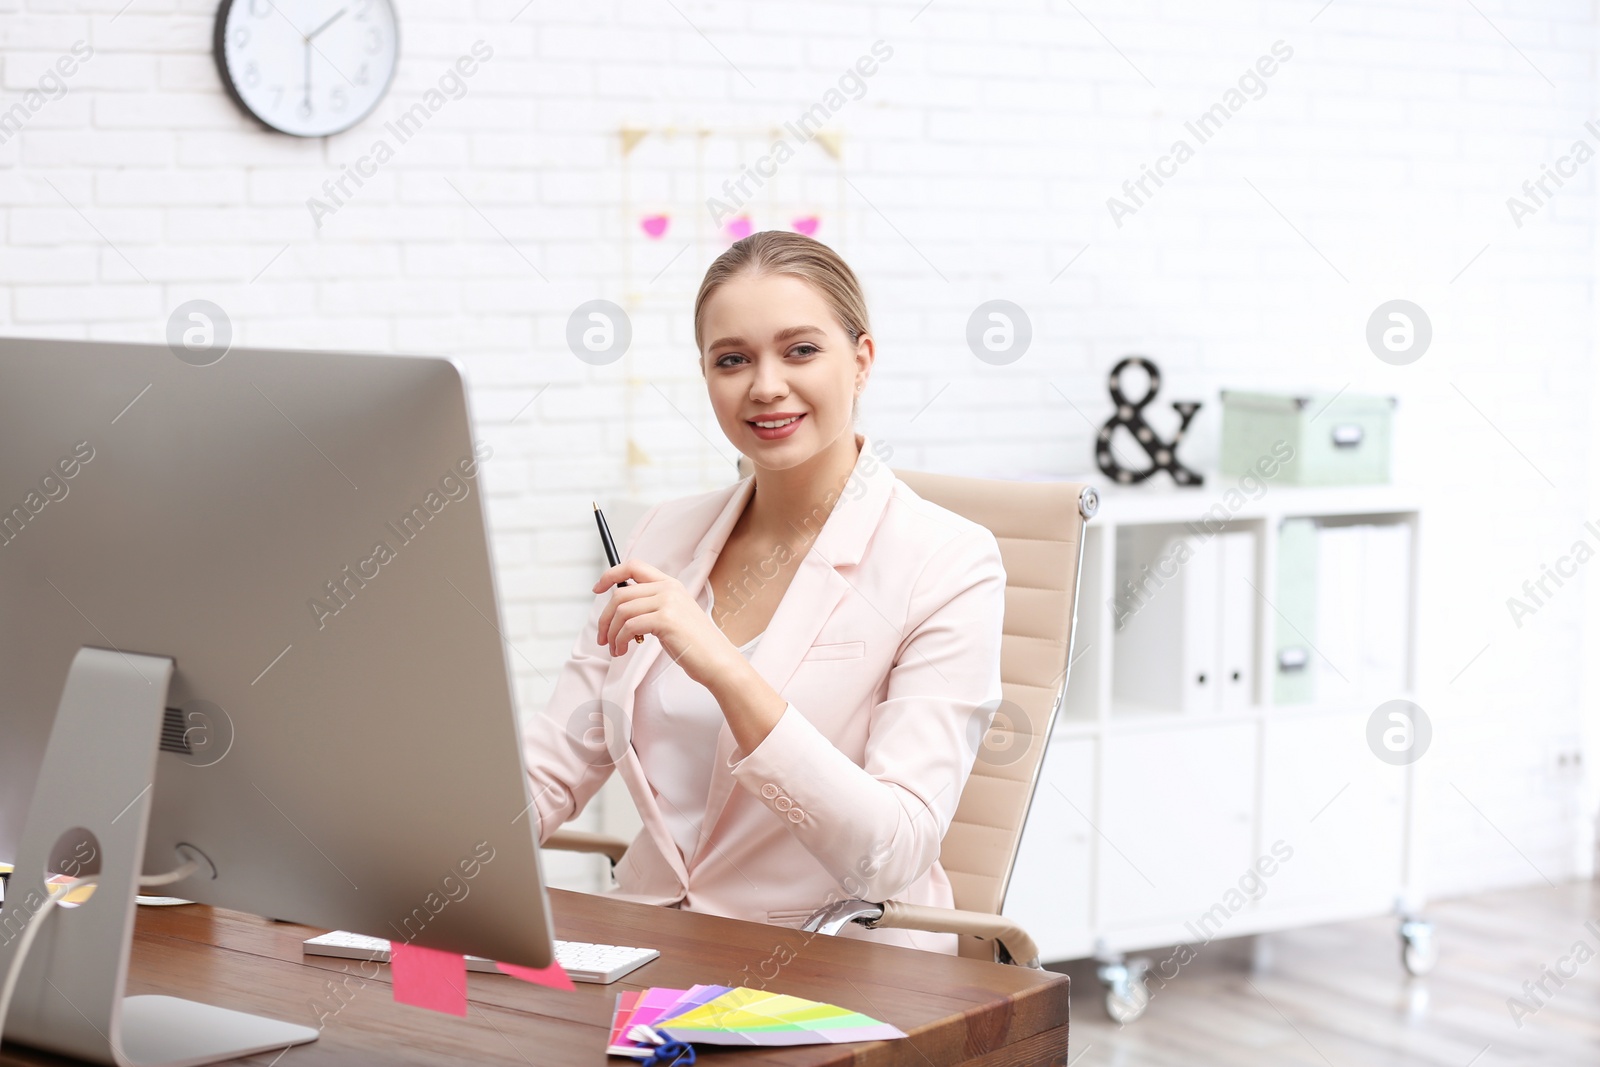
x,y
1130,414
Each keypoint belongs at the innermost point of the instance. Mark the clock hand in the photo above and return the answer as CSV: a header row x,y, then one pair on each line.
x,y
308,76
325,25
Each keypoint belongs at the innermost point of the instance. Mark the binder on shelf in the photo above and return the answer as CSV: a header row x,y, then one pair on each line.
x,y
1185,620
1237,604
1201,591
1295,629
1385,620
1339,595
1161,662
1187,616
1363,597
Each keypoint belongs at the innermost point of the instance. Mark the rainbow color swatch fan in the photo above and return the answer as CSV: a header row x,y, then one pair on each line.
x,y
724,1015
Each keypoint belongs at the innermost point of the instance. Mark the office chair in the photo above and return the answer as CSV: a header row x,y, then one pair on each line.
x,y
1040,528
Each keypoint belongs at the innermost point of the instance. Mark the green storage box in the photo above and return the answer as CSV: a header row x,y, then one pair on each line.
x,y
1337,439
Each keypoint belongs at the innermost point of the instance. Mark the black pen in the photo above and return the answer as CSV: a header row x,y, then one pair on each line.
x,y
611,551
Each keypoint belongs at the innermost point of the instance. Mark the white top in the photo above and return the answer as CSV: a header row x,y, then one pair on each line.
x,y
675,725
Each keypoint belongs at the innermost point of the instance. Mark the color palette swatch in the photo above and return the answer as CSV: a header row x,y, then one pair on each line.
x,y
733,1015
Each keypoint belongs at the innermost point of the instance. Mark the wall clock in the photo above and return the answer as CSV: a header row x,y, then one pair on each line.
x,y
309,68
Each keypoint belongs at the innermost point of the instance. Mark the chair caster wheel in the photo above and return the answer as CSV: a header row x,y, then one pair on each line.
x,y
1419,951
1126,995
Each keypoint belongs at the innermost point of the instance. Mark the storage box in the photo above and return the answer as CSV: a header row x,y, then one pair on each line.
x,y
1336,439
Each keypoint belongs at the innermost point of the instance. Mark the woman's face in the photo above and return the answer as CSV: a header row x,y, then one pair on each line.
x,y
775,349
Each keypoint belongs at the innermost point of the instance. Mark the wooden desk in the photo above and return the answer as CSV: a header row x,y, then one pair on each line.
x,y
955,1010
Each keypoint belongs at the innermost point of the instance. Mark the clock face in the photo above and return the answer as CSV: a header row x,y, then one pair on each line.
x,y
307,67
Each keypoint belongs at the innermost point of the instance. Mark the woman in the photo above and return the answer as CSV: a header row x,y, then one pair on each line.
x,y
831,640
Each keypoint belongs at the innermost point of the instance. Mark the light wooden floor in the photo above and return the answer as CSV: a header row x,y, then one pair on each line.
x,y
1337,996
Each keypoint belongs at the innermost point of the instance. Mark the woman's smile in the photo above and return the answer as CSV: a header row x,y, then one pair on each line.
x,y
777,426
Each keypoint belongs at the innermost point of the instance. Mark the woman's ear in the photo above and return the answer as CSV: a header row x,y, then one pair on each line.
x,y
866,352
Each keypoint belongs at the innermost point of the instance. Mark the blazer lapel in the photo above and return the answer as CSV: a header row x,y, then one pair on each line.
x,y
625,686
820,581
813,593
693,576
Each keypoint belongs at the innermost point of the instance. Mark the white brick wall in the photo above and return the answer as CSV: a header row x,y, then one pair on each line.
x,y
978,162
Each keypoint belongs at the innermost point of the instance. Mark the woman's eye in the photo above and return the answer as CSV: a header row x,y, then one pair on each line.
x,y
805,349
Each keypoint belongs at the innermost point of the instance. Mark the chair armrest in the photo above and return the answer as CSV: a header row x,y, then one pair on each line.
x,y
565,840
1016,947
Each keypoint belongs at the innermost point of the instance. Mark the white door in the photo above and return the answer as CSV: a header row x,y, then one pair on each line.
x,y
1049,890
1327,796
1176,822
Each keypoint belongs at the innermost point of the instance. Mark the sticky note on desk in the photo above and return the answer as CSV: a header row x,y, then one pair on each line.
x,y
428,977
555,976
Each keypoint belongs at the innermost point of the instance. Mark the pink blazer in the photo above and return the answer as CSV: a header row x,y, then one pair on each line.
x,y
886,648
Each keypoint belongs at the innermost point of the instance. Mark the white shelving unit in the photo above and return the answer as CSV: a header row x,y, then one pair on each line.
x,y
1149,824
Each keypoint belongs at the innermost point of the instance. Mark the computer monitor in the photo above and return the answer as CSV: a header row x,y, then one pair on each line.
x,y
258,590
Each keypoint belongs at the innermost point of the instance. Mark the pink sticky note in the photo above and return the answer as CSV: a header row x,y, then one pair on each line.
x,y
428,977
554,976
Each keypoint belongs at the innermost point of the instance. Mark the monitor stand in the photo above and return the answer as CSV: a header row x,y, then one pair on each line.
x,y
93,799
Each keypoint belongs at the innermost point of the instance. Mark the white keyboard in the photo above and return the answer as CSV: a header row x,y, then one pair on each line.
x,y
582,961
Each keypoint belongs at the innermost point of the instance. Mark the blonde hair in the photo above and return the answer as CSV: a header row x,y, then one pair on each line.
x,y
785,252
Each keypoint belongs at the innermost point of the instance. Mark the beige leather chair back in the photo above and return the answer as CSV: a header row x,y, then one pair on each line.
x,y
1040,528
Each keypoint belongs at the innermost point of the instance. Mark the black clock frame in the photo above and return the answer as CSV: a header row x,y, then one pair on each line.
x,y
219,36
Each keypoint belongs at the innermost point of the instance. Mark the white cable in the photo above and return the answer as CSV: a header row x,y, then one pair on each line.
x,y
177,874
34,922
